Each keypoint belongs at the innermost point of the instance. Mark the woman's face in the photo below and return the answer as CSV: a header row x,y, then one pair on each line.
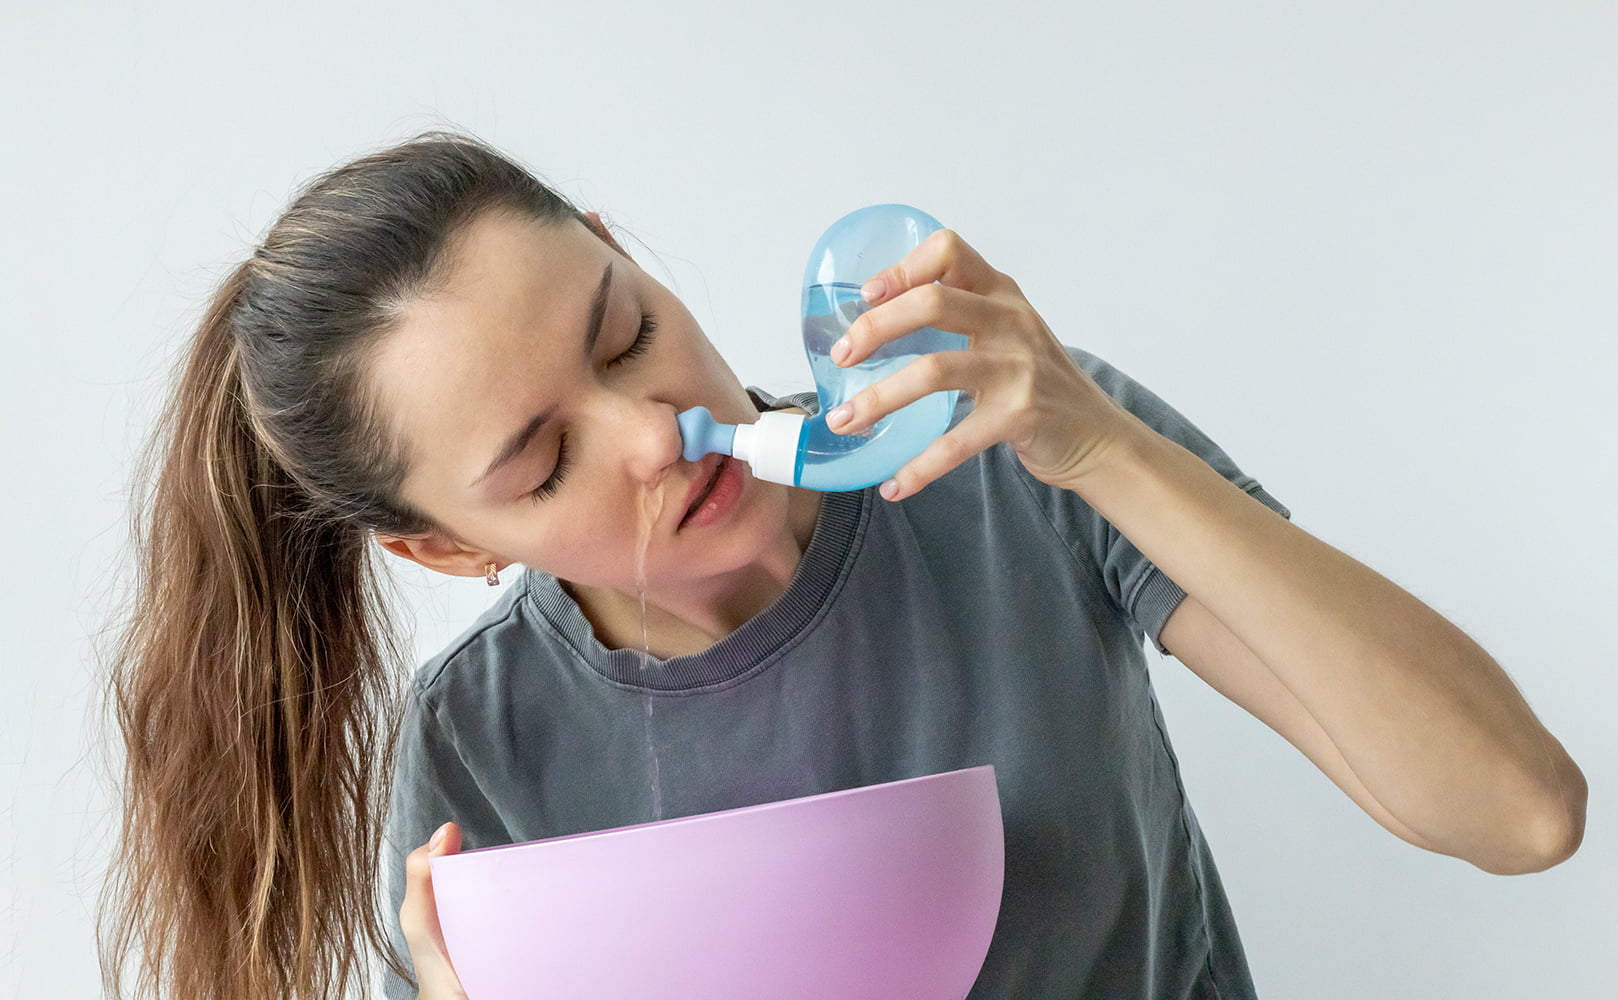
x,y
533,437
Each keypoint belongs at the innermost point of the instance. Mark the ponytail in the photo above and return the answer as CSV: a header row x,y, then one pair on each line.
x,y
254,680
255,688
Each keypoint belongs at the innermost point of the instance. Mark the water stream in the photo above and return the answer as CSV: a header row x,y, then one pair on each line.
x,y
651,504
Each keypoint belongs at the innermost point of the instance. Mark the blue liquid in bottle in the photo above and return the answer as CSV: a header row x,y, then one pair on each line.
x,y
805,452
830,461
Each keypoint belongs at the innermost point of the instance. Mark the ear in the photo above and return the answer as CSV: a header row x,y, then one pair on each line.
x,y
442,554
600,229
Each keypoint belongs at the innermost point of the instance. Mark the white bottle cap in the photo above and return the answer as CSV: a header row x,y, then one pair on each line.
x,y
770,445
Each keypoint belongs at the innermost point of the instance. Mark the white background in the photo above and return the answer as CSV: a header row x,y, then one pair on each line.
x,y
1371,248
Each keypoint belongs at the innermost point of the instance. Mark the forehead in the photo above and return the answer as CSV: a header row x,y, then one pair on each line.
x,y
515,294
501,262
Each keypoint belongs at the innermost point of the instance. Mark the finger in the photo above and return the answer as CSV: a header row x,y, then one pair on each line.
x,y
941,307
970,436
418,917
923,376
943,256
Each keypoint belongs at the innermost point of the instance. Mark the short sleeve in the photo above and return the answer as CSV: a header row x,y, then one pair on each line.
x,y
1144,593
431,786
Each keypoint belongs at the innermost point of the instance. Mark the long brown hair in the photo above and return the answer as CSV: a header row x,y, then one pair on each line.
x,y
257,682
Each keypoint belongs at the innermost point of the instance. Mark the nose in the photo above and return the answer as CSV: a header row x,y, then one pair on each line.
x,y
648,437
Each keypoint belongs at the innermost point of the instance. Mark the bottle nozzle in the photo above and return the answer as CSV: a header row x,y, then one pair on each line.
x,y
769,445
700,434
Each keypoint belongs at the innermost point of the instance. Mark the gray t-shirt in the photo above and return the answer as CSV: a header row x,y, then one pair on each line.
x,y
988,619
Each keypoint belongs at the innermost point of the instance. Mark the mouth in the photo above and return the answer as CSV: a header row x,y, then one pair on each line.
x,y
711,464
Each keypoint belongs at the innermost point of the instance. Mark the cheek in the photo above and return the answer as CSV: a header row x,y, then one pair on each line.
x,y
712,383
718,369
698,352
592,540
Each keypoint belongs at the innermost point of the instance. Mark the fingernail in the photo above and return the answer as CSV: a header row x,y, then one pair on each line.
x,y
839,416
438,838
872,290
839,351
889,489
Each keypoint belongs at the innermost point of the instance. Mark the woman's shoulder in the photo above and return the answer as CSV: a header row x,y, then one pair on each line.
x,y
480,645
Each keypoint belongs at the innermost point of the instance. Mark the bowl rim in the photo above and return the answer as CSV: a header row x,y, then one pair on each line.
x,y
776,804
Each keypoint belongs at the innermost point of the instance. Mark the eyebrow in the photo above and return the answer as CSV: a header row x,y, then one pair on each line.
x,y
517,443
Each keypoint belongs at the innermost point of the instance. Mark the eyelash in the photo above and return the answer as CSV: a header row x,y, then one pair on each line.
x,y
547,489
648,326
643,341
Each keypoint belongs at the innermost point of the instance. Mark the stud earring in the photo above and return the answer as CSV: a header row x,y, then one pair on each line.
x,y
491,575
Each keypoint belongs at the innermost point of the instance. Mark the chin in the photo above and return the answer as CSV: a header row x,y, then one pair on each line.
x,y
756,533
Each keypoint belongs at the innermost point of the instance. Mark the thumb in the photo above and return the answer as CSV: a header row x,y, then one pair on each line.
x,y
418,918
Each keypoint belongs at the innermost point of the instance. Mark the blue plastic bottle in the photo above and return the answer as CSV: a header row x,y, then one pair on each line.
x,y
802,451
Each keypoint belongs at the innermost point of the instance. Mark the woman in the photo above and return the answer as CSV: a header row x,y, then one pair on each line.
x,y
434,352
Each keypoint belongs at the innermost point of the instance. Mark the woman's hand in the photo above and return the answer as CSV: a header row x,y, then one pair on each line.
x,y
418,916
1025,387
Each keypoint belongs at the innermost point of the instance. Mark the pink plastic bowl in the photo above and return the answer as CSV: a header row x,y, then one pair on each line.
x,y
888,892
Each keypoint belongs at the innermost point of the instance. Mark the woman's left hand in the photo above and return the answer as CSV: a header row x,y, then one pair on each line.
x,y
1026,389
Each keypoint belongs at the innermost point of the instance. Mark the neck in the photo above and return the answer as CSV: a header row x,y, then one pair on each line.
x,y
694,616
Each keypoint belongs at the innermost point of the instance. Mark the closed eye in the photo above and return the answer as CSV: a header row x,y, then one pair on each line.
x,y
643,341
641,344
547,489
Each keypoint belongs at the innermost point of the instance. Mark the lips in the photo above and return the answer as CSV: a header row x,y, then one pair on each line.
x,y
703,483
